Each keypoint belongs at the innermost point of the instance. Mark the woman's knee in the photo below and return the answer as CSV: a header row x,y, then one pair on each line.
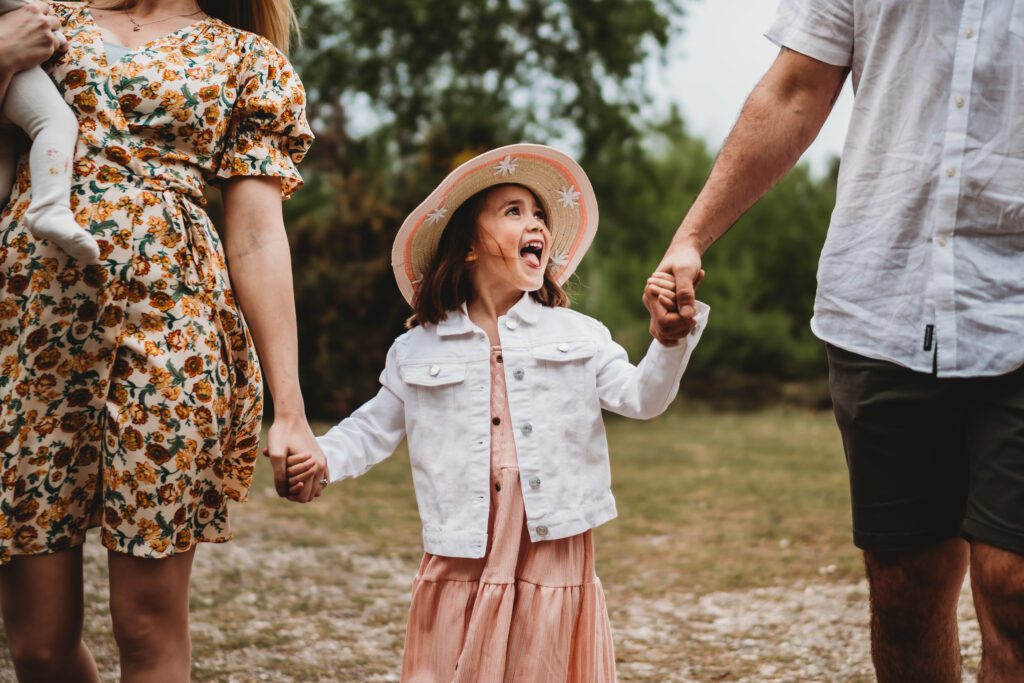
x,y
42,655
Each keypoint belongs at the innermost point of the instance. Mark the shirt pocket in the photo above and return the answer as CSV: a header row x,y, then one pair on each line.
x,y
1017,18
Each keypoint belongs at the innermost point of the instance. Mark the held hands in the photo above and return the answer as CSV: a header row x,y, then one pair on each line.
x,y
307,476
300,467
670,295
28,37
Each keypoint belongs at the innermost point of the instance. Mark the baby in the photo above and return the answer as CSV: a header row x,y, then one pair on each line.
x,y
34,104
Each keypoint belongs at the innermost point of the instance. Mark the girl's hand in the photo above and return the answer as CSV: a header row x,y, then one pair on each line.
x,y
288,437
660,298
307,473
27,38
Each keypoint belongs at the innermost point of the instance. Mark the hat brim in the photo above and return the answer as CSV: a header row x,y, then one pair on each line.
x,y
560,184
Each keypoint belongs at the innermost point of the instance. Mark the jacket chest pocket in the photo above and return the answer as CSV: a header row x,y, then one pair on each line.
x,y
566,376
435,387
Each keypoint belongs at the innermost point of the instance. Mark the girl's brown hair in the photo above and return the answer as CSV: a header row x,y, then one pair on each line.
x,y
273,19
447,284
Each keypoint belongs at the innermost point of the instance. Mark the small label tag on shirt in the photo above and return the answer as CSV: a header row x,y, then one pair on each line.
x,y
929,337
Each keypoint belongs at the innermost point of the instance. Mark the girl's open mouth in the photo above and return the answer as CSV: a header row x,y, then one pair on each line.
x,y
532,252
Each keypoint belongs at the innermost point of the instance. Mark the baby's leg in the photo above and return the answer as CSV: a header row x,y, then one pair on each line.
x,y
34,104
8,163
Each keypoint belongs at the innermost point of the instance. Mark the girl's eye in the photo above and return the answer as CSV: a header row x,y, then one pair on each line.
x,y
513,211
541,217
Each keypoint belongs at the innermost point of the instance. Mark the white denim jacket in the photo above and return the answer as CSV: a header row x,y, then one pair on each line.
x,y
561,368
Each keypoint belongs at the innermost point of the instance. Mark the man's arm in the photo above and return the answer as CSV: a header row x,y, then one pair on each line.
x,y
779,120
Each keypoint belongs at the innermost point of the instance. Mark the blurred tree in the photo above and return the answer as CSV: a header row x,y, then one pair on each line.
x,y
401,91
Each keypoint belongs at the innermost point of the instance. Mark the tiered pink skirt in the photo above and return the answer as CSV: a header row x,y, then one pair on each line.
x,y
531,612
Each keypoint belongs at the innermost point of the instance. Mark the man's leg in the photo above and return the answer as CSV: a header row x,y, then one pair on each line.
x,y
914,597
997,578
994,521
908,484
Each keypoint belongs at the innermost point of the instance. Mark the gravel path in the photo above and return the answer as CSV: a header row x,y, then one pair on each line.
x,y
263,612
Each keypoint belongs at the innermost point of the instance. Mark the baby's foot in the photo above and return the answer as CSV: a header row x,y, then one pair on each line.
x,y
58,225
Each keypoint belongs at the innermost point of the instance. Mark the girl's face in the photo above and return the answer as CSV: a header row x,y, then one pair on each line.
x,y
512,245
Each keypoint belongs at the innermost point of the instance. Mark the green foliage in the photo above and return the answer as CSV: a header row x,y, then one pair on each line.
x,y
401,91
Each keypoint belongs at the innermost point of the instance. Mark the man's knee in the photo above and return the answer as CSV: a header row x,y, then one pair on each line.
x,y
908,586
998,580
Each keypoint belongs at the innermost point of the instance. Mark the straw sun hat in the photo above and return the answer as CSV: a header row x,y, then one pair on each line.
x,y
555,178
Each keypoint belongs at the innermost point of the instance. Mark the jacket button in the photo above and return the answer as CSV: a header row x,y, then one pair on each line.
x,y
542,531
434,370
535,483
563,347
527,428
518,373
511,324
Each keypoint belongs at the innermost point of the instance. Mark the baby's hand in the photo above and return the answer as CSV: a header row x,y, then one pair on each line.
x,y
307,476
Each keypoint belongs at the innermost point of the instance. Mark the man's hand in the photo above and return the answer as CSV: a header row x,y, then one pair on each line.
x,y
27,38
670,295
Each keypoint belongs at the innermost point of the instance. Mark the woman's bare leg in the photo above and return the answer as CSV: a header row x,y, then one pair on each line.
x,y
42,605
149,608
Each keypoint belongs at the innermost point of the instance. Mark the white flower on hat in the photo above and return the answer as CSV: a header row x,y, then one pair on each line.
x,y
437,215
561,259
506,166
568,197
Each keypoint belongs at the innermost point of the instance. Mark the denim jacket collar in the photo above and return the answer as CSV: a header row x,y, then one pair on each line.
x,y
527,310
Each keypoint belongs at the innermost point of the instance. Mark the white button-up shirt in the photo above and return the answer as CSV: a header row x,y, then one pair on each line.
x,y
561,367
925,251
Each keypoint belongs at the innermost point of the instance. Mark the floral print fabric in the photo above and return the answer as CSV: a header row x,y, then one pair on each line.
x,y
130,391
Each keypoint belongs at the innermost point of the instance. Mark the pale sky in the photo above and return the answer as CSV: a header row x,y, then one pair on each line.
x,y
716,62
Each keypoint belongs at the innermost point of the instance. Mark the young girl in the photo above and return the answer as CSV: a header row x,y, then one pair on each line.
x,y
34,104
499,388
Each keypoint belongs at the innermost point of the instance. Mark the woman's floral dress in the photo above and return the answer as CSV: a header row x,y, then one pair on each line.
x,y
130,391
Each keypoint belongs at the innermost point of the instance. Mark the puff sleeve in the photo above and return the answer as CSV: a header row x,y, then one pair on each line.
x,y
268,134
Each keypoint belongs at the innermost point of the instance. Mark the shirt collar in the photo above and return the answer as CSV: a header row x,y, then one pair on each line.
x,y
457,322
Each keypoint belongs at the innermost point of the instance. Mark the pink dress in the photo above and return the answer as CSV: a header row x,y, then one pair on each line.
x,y
525,611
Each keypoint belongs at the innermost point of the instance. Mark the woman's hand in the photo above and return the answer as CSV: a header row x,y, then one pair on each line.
x,y
27,38
287,438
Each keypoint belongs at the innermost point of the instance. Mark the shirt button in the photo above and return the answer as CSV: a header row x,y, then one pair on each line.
x,y
501,359
496,421
563,347
959,101
969,33
527,428
535,483
542,531
951,171
511,324
434,371
518,373
942,241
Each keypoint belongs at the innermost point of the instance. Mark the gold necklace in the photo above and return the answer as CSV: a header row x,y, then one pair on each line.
x,y
136,26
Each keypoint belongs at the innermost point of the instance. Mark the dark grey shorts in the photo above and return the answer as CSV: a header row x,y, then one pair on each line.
x,y
930,458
